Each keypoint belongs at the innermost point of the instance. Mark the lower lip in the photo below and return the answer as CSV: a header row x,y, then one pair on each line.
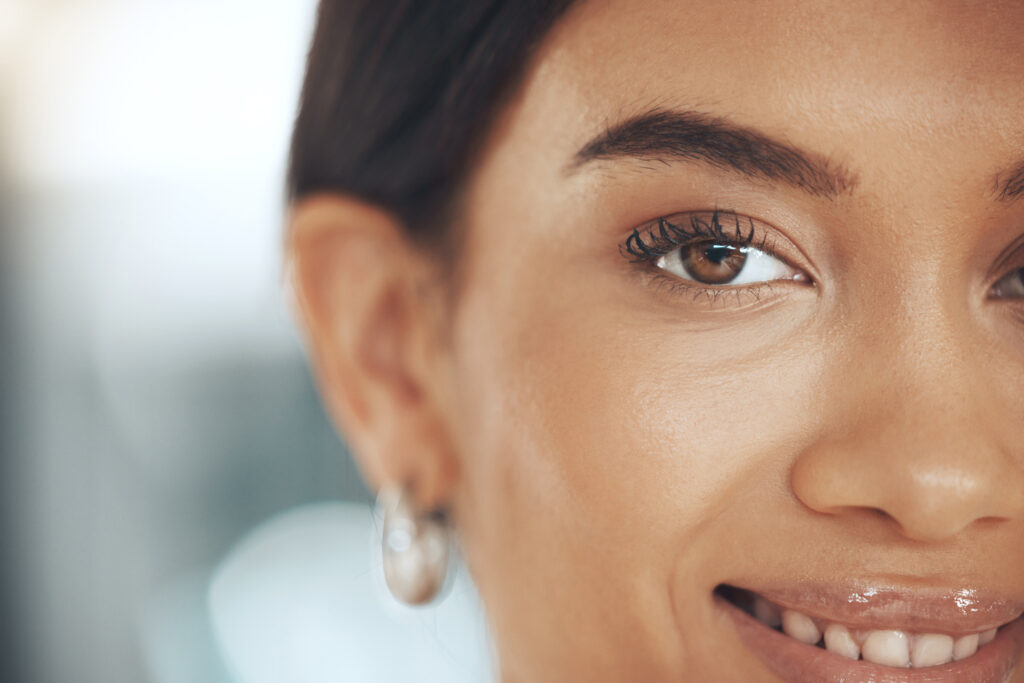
x,y
796,662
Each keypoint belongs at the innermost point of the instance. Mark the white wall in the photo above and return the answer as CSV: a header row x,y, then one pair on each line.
x,y
165,404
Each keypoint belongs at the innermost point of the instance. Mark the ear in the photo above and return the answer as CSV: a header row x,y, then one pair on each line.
x,y
372,310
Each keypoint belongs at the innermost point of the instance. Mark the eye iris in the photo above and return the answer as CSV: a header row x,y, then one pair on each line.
x,y
712,263
1011,286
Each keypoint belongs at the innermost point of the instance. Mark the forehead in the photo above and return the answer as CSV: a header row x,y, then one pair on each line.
x,y
847,79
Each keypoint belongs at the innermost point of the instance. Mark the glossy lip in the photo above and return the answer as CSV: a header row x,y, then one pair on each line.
x,y
796,662
921,609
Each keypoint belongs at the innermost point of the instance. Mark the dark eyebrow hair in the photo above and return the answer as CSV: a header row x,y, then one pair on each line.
x,y
1013,187
665,135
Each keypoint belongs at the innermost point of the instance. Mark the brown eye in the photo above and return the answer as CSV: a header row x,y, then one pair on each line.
x,y
711,263
1011,286
720,262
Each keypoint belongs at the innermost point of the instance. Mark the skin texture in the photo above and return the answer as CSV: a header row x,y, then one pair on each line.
x,y
612,445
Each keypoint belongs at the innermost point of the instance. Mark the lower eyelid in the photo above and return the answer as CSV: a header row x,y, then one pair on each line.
x,y
645,245
694,293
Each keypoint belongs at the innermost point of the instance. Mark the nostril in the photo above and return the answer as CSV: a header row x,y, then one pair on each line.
x,y
880,514
870,515
885,517
990,522
927,492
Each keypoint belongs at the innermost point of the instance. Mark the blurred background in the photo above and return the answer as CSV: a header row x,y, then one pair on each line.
x,y
158,418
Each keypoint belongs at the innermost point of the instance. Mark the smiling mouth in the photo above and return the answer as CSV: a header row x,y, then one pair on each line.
x,y
828,635
903,648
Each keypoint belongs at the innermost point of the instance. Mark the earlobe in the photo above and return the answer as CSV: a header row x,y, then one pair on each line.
x,y
359,286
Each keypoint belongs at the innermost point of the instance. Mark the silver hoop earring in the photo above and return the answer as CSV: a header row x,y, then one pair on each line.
x,y
415,547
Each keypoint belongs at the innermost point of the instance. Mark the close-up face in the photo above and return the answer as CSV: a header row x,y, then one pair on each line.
x,y
725,379
740,321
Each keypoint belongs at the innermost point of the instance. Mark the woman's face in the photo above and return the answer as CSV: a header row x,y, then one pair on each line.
x,y
806,381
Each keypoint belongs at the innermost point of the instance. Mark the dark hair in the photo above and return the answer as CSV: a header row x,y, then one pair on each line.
x,y
398,95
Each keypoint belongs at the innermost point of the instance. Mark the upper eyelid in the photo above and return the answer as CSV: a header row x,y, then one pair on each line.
x,y
733,227
1011,252
709,224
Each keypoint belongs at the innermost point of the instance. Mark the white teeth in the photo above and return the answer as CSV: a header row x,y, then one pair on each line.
x,y
860,635
886,647
931,649
839,641
800,626
767,613
889,648
965,646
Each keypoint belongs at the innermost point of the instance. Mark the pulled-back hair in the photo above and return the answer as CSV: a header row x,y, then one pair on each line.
x,y
399,93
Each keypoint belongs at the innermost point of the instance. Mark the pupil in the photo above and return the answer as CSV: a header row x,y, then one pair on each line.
x,y
717,253
712,263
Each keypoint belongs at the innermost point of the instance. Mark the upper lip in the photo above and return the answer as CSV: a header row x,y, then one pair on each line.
x,y
920,609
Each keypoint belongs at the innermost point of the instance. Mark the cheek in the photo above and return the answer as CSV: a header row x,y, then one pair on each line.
x,y
591,407
635,432
599,444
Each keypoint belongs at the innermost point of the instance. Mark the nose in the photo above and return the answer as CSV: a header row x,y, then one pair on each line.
x,y
932,488
933,451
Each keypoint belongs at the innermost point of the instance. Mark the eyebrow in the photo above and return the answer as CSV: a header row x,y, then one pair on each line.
x,y
1012,188
669,135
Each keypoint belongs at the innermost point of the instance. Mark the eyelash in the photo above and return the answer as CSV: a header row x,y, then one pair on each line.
x,y
647,244
664,236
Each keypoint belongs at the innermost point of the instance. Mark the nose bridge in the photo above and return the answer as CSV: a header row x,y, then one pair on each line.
x,y
914,431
